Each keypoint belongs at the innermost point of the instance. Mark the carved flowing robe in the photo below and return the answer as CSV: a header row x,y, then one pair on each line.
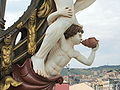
x,y
32,81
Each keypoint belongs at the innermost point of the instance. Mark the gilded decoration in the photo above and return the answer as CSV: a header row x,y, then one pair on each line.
x,y
45,9
9,81
20,25
6,64
7,52
32,33
7,49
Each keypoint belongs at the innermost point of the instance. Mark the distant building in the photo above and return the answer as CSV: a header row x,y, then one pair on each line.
x,y
94,73
63,86
81,86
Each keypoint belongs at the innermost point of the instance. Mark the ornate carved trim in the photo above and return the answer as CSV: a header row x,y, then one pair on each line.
x,y
7,55
8,82
45,9
7,51
32,33
20,25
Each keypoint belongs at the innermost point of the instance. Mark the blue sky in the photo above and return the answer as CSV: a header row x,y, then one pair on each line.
x,y
101,20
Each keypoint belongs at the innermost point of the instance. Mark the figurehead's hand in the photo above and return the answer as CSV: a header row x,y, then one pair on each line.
x,y
96,48
66,12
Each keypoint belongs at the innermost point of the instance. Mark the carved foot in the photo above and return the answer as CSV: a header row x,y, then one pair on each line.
x,y
39,66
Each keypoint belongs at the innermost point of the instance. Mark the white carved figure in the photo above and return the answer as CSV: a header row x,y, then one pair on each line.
x,y
59,22
64,51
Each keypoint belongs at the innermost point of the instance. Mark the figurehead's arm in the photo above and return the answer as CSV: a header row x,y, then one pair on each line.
x,y
87,61
66,12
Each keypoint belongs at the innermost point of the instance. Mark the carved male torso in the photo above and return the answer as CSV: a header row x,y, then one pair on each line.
x,y
56,60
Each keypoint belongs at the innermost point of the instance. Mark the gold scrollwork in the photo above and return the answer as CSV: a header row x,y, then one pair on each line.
x,y
9,81
7,52
45,9
20,25
32,33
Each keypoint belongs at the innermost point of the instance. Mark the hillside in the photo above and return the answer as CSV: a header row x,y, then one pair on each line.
x,y
79,71
106,67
